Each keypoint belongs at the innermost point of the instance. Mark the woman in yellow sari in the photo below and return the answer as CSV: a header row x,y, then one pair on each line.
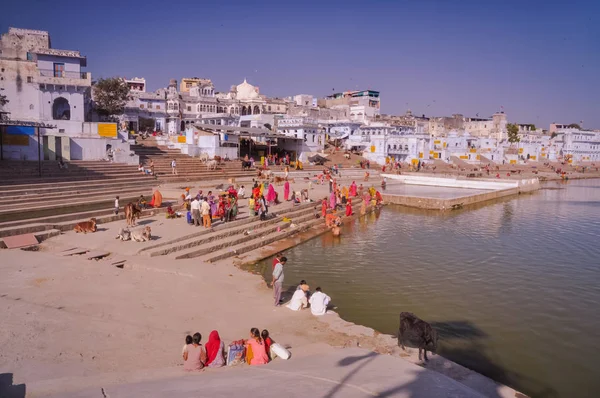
x,y
345,192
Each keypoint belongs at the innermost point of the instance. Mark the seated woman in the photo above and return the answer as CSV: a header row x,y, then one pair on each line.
x,y
268,342
156,199
299,300
214,350
256,351
171,213
194,356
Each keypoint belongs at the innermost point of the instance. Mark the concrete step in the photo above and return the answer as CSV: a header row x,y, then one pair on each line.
x,y
43,210
97,186
268,238
187,241
67,222
17,202
241,239
43,183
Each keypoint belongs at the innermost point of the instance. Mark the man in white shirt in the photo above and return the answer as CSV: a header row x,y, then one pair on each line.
x,y
319,302
278,280
299,300
174,167
195,209
205,210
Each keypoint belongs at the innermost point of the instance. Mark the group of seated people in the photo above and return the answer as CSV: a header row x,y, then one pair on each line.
x,y
257,350
302,297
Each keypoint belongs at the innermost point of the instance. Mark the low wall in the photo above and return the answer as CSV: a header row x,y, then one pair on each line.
x,y
447,204
452,182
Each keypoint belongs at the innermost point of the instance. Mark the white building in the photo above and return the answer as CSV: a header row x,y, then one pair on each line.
x,y
578,146
48,85
311,136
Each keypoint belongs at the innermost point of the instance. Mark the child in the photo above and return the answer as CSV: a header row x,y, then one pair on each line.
x,y
268,342
116,205
188,341
242,192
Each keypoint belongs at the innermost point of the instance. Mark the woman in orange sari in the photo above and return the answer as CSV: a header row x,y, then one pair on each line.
x,y
324,208
156,199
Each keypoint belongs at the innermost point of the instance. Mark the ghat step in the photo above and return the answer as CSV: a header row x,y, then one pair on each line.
x,y
251,231
233,227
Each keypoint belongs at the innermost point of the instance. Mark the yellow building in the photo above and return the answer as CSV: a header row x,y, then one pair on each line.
x,y
188,82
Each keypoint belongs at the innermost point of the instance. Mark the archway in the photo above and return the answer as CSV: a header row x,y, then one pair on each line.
x,y
256,110
61,110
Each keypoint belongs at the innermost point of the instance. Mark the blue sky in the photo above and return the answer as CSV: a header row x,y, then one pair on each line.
x,y
540,60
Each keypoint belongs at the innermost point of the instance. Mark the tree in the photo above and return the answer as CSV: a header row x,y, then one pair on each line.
x,y
513,133
110,96
554,134
268,126
574,126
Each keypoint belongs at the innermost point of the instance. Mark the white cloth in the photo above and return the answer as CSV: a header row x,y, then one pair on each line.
x,y
205,208
116,203
298,300
195,205
318,303
173,164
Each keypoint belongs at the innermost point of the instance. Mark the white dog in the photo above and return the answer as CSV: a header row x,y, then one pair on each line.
x,y
141,235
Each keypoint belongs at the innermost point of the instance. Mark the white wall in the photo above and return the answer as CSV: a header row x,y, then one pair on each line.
x,y
71,94
47,62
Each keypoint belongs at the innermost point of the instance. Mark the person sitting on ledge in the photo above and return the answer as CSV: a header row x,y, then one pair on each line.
x,y
319,302
299,300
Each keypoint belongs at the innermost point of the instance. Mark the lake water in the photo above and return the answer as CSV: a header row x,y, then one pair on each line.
x,y
513,287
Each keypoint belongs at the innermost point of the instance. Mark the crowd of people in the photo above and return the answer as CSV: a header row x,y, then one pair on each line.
x,y
258,349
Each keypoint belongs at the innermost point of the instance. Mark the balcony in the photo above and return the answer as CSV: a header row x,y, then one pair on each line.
x,y
49,76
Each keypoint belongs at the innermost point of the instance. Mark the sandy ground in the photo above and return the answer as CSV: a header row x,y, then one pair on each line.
x,y
70,323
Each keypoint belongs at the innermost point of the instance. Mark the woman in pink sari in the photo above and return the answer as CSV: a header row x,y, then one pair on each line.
x,y
286,191
271,195
353,189
332,200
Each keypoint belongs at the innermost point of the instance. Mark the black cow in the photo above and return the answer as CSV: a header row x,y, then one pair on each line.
x,y
417,331
246,165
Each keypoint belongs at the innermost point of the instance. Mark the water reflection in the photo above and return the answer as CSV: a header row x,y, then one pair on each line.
x,y
511,286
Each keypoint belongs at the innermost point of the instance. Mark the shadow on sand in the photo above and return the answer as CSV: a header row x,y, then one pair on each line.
x,y
10,390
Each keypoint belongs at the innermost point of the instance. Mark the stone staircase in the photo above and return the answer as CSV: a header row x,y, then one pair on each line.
x,y
237,237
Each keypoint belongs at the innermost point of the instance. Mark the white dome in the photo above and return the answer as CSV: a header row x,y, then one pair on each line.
x,y
246,91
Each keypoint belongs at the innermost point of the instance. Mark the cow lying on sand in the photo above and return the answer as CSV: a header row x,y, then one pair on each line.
x,y
86,226
132,211
418,332
137,235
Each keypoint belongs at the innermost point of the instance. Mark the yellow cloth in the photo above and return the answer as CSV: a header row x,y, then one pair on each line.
x,y
345,192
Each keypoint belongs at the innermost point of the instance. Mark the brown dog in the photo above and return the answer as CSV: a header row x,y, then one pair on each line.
x,y
86,226
132,211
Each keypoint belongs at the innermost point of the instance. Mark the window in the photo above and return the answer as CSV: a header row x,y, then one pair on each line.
x,y
189,108
157,106
313,138
141,106
59,69
29,79
29,56
188,84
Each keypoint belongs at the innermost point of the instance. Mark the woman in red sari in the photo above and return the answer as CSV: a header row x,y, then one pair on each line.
x,y
214,351
353,189
286,191
349,208
324,208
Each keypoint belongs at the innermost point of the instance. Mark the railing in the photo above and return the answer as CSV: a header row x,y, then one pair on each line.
x,y
63,74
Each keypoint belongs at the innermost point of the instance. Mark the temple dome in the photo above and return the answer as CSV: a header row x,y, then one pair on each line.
x,y
246,91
